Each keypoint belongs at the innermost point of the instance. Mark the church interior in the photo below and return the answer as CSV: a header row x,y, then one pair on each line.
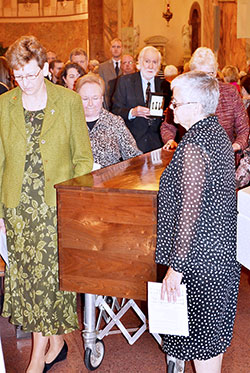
x,y
62,25
176,28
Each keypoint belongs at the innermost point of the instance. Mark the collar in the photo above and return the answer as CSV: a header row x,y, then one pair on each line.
x,y
114,62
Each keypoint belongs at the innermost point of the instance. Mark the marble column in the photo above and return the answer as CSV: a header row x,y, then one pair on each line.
x,y
95,30
127,29
110,17
103,27
231,50
208,23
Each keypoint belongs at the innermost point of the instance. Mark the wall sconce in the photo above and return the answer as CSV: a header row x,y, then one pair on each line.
x,y
168,14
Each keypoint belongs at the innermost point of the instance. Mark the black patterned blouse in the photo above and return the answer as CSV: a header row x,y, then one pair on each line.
x,y
197,236
111,141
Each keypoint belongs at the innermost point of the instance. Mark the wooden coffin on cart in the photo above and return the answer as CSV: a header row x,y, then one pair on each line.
x,y
107,228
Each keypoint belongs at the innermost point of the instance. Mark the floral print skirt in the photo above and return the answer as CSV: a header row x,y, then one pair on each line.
x,y
32,297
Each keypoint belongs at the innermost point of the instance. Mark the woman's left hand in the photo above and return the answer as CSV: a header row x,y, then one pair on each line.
x,y
236,146
171,285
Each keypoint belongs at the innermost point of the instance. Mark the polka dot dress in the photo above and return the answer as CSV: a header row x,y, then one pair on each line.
x,y
196,236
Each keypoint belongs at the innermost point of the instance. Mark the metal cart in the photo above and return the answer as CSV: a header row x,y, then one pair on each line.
x,y
110,311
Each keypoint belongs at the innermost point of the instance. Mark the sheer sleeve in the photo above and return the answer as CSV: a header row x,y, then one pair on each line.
x,y
188,197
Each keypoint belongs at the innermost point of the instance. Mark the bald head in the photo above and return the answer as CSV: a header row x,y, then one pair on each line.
x,y
127,64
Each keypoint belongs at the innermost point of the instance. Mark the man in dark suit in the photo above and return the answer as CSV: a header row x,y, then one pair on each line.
x,y
129,100
127,67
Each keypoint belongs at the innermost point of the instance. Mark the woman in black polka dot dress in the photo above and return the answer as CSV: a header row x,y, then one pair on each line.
x,y
196,235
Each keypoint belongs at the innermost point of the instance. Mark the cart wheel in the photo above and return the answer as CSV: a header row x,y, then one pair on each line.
x,y
91,361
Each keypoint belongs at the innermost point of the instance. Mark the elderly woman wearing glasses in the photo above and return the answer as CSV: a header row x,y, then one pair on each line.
x,y
43,140
110,139
196,235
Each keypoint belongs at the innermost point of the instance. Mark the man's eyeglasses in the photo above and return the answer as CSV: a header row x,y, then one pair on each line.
x,y
174,104
20,78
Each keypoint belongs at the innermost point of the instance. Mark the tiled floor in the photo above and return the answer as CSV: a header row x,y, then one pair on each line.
x,y
144,356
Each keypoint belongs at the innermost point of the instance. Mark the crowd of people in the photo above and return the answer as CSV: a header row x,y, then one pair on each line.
x,y
61,120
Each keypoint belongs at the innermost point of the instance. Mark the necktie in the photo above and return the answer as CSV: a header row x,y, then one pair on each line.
x,y
117,68
148,90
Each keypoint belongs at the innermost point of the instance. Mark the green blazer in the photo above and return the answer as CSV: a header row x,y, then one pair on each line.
x,y
64,143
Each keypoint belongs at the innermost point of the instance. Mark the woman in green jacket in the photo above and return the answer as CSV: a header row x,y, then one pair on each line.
x,y
43,141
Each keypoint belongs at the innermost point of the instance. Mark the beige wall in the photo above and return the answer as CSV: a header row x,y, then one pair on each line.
x,y
148,15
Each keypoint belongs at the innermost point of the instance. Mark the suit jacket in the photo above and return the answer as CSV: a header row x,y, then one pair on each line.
x,y
64,142
110,91
3,88
107,72
129,94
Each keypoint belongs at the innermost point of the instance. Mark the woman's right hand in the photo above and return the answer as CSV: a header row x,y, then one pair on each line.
x,y
2,225
170,145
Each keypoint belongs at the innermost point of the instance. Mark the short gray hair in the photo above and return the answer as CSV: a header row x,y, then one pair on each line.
x,y
203,57
199,87
77,52
170,70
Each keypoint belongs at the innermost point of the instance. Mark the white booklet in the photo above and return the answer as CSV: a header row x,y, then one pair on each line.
x,y
165,317
3,248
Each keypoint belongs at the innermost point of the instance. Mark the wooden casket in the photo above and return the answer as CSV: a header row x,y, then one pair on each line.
x,y
107,228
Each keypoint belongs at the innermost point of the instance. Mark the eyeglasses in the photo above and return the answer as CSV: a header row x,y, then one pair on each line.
x,y
173,104
28,77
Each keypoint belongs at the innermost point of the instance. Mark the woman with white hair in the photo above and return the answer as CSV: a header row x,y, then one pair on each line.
x,y
230,110
197,216
170,72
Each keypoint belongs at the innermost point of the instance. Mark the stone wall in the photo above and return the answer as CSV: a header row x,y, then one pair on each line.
x,y
60,37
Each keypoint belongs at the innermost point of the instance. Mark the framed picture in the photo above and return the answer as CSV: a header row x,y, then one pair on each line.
x,y
156,104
